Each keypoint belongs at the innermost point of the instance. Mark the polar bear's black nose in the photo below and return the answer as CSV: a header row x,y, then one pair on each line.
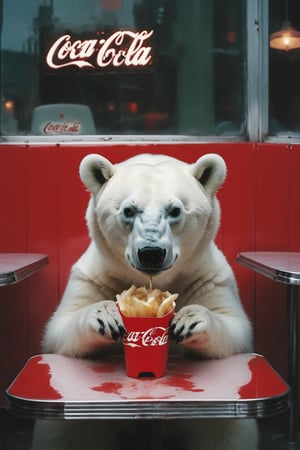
x,y
151,256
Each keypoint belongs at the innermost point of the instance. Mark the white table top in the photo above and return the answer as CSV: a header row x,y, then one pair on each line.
x,y
283,267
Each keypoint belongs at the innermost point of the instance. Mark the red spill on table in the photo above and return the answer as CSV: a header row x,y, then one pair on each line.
x,y
108,388
104,368
263,383
181,381
35,382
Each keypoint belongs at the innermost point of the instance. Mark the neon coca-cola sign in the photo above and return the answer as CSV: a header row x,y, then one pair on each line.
x,y
119,49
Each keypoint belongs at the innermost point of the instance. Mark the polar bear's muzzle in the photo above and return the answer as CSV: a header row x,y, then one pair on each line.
x,y
151,257
151,247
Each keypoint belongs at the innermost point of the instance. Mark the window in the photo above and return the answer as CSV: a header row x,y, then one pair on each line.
x,y
284,72
98,67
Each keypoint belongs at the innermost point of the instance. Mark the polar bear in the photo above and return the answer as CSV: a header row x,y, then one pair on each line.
x,y
152,215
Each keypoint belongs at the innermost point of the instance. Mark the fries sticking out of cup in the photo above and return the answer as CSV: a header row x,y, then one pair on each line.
x,y
143,302
147,314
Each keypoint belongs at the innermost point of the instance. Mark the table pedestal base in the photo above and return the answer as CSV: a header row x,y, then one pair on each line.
x,y
280,442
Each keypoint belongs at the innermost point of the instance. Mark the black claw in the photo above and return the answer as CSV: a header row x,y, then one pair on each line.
x,y
122,330
193,325
171,331
172,336
101,328
180,330
176,335
115,335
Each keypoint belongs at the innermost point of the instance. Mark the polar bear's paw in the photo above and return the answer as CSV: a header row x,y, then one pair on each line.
x,y
104,318
191,323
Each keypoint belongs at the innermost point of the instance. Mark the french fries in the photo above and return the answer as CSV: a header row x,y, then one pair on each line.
x,y
143,302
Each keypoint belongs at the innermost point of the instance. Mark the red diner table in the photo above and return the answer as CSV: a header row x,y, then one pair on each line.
x,y
239,386
15,267
283,267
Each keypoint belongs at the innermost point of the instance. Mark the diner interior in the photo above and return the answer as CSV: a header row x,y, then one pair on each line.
x,y
220,80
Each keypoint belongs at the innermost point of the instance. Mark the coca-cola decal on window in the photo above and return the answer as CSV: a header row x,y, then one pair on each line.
x,y
62,127
155,336
107,51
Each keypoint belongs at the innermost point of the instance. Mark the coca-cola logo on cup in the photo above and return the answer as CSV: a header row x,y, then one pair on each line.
x,y
119,49
155,336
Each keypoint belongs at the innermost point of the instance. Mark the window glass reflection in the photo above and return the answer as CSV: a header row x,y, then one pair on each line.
x,y
284,72
139,66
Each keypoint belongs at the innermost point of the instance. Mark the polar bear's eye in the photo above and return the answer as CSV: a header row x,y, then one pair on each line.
x,y
175,212
128,212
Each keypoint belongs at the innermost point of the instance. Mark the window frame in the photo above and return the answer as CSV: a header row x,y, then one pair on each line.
x,y
257,72
256,96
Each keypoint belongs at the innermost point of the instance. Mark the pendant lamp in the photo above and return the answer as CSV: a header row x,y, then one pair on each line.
x,y
287,38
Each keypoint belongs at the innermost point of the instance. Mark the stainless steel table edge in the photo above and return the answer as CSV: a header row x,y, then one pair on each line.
x,y
8,278
292,281
154,409
280,276
15,276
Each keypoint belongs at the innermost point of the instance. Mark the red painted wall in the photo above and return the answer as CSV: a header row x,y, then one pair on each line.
x,y
42,210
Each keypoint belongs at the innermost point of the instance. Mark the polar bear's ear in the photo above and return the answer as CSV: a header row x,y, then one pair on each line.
x,y
95,171
210,171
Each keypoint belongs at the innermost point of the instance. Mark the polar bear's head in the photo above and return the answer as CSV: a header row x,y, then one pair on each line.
x,y
152,212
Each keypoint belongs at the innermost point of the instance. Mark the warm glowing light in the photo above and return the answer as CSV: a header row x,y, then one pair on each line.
x,y
122,48
111,106
286,39
9,105
231,37
133,107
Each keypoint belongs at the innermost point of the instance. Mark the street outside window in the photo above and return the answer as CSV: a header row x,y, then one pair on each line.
x,y
129,67
284,72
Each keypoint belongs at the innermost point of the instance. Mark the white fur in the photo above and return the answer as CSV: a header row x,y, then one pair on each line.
x,y
155,201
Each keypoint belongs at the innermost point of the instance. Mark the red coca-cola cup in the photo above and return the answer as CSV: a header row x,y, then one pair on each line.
x,y
146,345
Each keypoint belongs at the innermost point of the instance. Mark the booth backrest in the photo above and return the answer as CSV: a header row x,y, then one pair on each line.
x,y
43,211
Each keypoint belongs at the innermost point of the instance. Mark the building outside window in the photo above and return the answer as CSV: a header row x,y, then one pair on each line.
x,y
183,69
